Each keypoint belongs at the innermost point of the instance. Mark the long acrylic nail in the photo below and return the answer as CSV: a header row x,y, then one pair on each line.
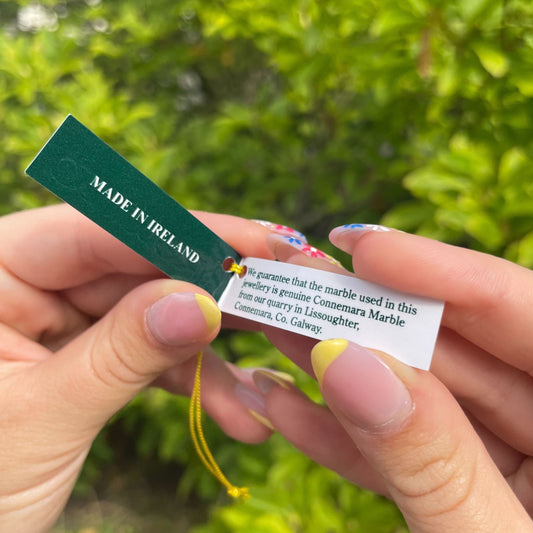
x,y
264,380
282,230
182,318
343,237
358,383
254,403
283,246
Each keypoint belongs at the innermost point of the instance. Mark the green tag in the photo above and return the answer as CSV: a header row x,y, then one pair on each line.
x,y
84,171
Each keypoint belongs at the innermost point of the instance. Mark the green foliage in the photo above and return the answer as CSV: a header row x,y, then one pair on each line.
x,y
306,499
313,114
319,112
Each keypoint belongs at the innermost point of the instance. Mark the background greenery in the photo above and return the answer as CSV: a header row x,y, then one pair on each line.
x,y
417,114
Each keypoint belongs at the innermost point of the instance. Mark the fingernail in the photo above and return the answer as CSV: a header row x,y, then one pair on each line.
x,y
360,385
342,236
282,230
283,246
263,419
182,318
266,379
254,403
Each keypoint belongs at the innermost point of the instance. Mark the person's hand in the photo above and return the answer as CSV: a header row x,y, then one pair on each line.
x,y
452,447
86,323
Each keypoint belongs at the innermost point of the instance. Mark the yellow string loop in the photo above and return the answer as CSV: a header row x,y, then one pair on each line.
x,y
200,444
237,269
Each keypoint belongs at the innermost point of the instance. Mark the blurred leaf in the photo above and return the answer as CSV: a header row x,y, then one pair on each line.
x,y
311,114
493,59
426,181
485,230
525,251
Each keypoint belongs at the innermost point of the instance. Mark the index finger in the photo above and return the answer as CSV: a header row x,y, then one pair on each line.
x,y
488,299
56,247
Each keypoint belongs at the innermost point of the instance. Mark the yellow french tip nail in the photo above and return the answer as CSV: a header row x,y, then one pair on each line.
x,y
281,378
210,311
284,376
324,353
263,419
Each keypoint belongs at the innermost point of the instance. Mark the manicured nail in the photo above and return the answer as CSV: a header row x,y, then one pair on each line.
x,y
266,379
343,237
263,419
254,403
280,244
358,383
282,230
182,318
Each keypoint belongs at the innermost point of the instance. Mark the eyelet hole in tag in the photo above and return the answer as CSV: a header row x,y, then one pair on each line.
x,y
229,265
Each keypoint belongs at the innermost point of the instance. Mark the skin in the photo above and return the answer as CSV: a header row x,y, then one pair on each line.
x,y
461,458
75,347
75,303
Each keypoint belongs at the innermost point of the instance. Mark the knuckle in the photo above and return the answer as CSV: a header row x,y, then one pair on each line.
x,y
440,481
489,290
112,360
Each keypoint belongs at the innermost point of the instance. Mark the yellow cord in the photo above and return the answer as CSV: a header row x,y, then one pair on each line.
x,y
237,269
200,444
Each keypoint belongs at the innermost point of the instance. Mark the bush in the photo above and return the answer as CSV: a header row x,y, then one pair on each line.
x,y
311,114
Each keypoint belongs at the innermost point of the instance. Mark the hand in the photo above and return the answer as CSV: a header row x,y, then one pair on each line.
x,y
452,447
85,324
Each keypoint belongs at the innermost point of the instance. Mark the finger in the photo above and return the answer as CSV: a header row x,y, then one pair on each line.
x,y
485,385
505,457
291,250
316,432
295,347
488,388
82,251
245,236
17,351
219,395
95,298
153,328
487,298
521,482
39,315
67,249
415,435
236,322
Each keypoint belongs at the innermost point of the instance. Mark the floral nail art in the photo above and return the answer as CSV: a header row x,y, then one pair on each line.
x,y
344,237
282,230
311,251
292,240
364,227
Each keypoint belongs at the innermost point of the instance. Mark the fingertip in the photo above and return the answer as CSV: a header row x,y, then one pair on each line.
x,y
210,310
359,383
264,379
182,318
345,237
281,229
256,426
291,249
324,353
245,236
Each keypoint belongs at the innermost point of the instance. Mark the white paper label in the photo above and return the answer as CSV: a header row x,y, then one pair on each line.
x,y
324,305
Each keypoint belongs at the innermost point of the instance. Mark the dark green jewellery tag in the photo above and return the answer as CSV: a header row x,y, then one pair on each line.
x,y
85,172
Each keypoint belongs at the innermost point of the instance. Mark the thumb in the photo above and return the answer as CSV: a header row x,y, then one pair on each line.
x,y
156,326
414,434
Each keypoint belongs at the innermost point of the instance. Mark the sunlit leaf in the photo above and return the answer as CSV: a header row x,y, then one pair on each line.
x,y
495,62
